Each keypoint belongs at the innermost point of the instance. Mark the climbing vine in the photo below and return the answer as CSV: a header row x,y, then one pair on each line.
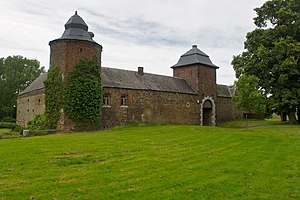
x,y
83,95
54,88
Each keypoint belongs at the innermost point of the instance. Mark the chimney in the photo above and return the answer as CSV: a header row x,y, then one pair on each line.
x,y
141,71
91,34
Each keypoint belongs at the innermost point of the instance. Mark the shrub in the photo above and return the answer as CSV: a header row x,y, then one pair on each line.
x,y
39,122
39,133
8,119
83,95
9,125
18,129
54,88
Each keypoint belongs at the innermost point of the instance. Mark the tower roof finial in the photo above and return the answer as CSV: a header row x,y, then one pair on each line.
x,y
75,12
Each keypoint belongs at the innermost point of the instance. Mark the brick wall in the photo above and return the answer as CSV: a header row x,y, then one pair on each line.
x,y
67,53
189,73
207,81
201,78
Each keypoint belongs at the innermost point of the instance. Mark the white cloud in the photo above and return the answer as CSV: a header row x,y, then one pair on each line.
x,y
149,33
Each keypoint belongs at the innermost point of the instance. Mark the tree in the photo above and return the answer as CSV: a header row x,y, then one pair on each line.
x,y
16,73
272,54
54,88
83,95
249,96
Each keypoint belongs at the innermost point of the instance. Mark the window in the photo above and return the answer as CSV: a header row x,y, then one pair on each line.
x,y
124,100
106,100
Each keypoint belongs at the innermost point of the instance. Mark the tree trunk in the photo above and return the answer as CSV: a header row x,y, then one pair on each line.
x,y
283,116
246,119
292,118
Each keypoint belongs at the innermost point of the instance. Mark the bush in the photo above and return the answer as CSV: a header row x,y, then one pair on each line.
x,y
83,95
9,125
8,119
54,89
39,122
18,129
39,133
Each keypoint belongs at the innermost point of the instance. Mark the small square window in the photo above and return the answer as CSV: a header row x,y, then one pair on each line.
x,y
124,100
106,100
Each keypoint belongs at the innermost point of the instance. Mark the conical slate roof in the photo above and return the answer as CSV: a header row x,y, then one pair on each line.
x,y
76,22
76,29
194,56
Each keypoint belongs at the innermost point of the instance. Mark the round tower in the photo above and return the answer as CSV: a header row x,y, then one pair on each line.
x,y
74,44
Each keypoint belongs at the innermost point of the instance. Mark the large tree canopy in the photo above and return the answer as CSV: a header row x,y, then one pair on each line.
x,y
272,54
16,73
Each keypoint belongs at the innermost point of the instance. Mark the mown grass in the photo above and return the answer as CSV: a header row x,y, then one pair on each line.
x,y
251,123
154,162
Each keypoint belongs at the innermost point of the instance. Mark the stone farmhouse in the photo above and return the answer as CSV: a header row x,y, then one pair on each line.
x,y
190,96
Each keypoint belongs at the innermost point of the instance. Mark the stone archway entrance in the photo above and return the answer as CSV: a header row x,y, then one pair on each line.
x,y
208,112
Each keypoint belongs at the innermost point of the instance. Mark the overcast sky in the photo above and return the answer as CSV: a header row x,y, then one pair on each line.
x,y
149,33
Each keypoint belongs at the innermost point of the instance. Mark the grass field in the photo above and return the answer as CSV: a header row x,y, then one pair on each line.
x,y
154,162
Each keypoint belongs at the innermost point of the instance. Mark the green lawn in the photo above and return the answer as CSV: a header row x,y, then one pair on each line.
x,y
154,162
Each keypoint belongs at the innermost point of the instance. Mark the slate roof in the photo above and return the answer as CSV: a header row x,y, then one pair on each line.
x,y
225,90
194,56
117,78
37,84
76,29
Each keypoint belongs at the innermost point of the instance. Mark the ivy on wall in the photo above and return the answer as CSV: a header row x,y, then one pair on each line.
x,y
54,92
83,95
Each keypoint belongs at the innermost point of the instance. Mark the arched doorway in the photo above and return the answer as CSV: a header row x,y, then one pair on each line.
x,y
208,112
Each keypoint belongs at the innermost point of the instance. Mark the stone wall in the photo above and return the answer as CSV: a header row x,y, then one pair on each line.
x,y
150,107
28,105
226,110
142,106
